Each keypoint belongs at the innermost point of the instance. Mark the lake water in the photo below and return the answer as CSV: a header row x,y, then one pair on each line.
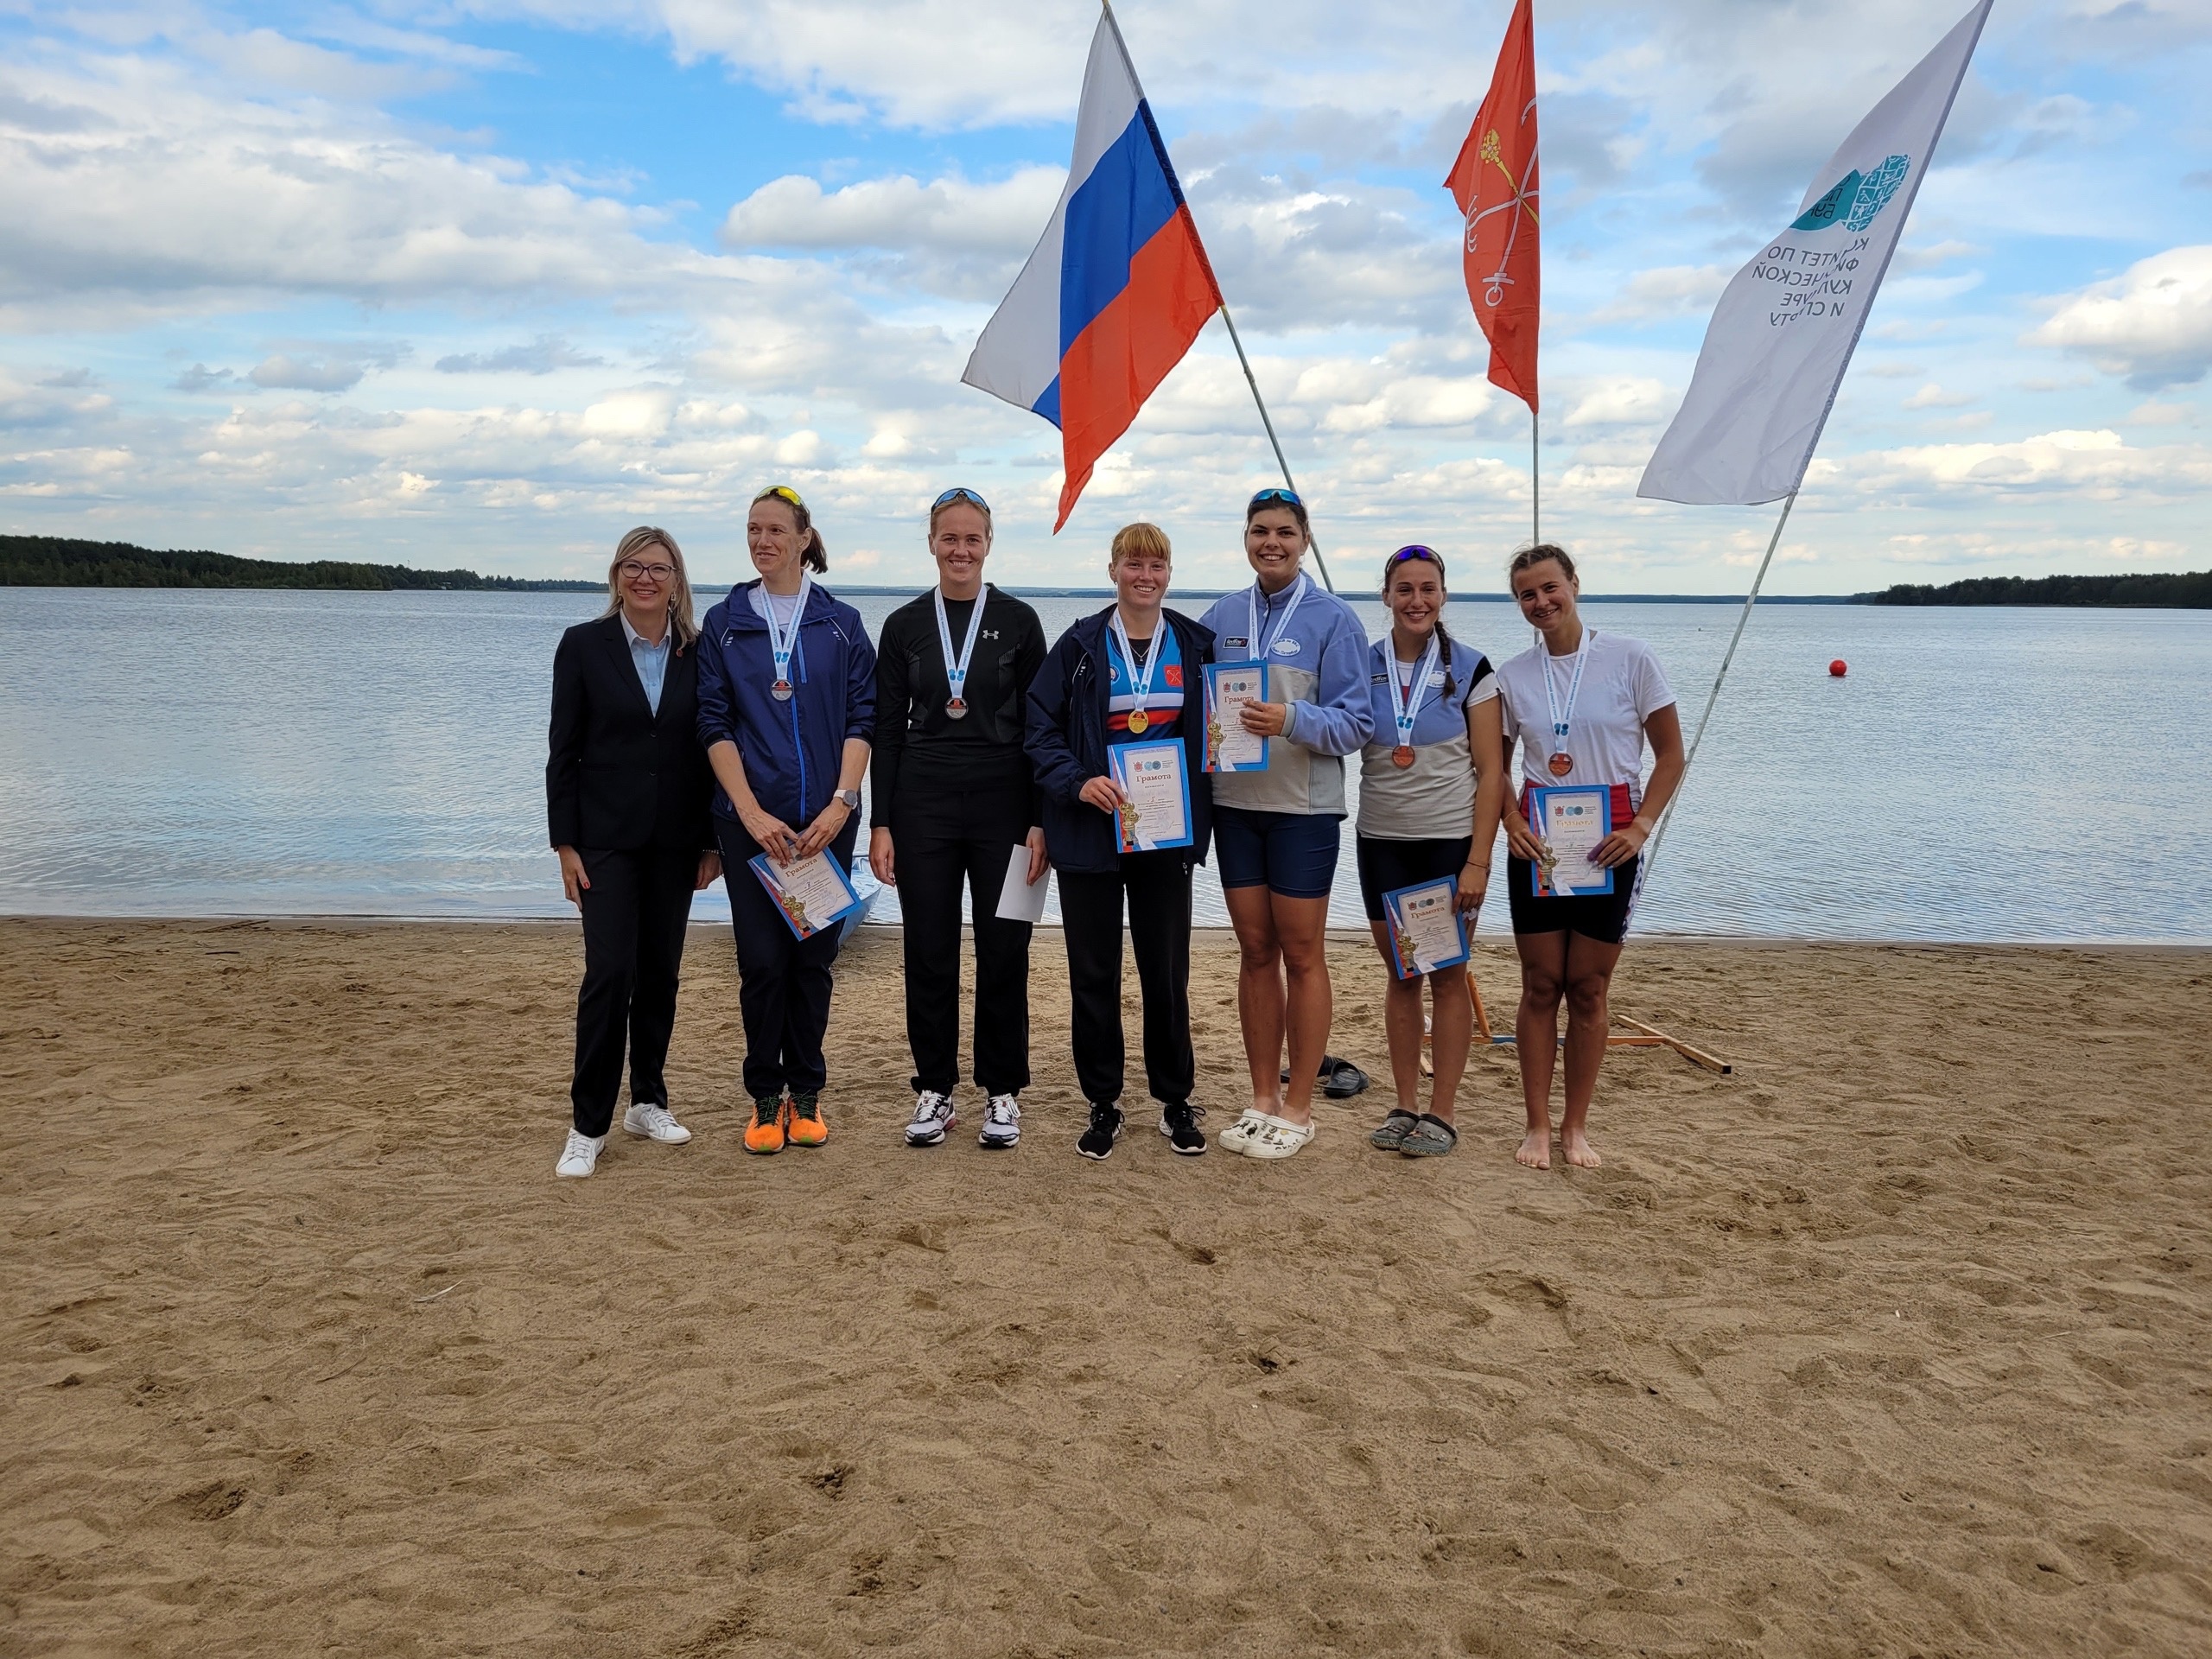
x,y
1980,774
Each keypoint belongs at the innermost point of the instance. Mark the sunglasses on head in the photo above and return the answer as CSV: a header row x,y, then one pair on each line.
x,y
959,492
1263,497
1426,554
787,493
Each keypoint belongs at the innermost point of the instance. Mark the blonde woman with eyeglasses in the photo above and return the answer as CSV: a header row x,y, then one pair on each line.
x,y
626,788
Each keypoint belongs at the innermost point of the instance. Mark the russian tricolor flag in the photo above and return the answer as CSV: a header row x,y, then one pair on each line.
x,y
1118,289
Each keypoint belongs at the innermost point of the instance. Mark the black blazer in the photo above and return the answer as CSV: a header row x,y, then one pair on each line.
x,y
617,776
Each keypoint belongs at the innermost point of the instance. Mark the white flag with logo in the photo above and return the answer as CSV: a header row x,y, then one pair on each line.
x,y
1784,332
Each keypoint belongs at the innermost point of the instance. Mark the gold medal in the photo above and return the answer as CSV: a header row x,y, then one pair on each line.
x,y
1139,721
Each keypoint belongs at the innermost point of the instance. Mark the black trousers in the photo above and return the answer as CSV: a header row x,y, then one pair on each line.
x,y
783,981
940,841
1159,889
634,913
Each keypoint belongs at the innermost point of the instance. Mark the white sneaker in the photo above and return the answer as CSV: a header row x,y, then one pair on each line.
x,y
580,1154
934,1115
1002,1124
655,1123
1280,1139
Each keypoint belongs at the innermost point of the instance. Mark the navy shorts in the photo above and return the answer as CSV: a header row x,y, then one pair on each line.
x,y
1600,916
1294,854
1385,866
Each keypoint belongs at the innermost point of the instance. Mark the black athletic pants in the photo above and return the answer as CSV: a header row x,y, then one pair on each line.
x,y
941,840
1159,889
634,913
783,981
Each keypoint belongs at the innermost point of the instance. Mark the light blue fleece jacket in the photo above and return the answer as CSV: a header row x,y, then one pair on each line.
x,y
1319,666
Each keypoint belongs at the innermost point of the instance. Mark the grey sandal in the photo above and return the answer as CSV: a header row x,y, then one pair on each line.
x,y
1391,1137
1429,1137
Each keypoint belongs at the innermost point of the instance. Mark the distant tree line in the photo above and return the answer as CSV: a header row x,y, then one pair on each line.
x,y
58,562
2189,592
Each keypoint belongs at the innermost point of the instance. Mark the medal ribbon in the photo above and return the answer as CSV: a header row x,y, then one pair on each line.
x,y
955,669
1562,723
1405,699
1139,680
1253,603
781,640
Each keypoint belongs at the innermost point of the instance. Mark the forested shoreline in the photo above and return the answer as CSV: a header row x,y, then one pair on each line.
x,y
60,562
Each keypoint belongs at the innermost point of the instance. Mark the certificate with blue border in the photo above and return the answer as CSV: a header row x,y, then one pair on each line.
x,y
1154,777
1571,819
1230,686
1427,930
811,894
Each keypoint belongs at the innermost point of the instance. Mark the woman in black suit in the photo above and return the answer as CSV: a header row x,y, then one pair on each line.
x,y
626,792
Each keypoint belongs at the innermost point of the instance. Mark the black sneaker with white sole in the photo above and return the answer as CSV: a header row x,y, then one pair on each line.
x,y
1180,1123
1097,1141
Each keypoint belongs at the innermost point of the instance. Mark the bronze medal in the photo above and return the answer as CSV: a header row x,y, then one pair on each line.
x,y
1561,764
1402,756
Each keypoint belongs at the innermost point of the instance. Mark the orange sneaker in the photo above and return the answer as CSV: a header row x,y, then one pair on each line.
x,y
766,1133
807,1128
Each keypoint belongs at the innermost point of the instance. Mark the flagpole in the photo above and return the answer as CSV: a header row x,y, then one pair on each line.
x,y
1535,485
1115,23
1651,849
1312,546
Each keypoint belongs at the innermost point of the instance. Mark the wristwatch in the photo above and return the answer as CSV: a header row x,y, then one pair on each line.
x,y
851,797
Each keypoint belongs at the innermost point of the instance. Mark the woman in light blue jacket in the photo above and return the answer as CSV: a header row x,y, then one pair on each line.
x,y
1276,831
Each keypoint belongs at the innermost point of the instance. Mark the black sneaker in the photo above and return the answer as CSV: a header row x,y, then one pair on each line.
x,y
1097,1141
1180,1123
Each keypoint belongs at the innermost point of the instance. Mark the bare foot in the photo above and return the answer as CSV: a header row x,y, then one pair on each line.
x,y
1580,1153
1536,1148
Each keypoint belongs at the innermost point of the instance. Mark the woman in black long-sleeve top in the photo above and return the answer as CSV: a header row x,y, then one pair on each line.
x,y
953,797
627,792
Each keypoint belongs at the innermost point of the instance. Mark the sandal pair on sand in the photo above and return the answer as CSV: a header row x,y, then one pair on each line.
x,y
1425,1136
1263,1134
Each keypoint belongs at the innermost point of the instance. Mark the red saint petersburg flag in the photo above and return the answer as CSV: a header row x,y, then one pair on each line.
x,y
1494,181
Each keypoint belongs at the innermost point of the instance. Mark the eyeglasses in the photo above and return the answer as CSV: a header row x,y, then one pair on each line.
x,y
1266,496
635,572
784,490
1426,554
959,492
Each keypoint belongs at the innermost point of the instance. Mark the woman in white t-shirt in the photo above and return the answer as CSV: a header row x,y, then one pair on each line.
x,y
1431,785
1583,704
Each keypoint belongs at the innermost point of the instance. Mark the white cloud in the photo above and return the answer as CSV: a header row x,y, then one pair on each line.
x,y
2153,324
1664,291
1932,396
2094,465
287,372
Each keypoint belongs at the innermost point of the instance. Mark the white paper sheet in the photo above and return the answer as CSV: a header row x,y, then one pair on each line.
x,y
1018,899
810,889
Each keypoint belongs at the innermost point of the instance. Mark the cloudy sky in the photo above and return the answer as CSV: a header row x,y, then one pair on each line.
x,y
487,283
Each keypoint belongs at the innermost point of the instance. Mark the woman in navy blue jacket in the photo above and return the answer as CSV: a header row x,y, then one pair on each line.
x,y
786,707
1133,655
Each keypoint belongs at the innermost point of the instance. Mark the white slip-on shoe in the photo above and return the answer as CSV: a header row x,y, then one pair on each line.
x,y
1280,1139
1001,1129
1238,1135
934,1115
655,1123
580,1154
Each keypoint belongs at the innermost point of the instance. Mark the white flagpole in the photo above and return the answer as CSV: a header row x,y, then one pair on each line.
x,y
1276,443
1651,850
1536,483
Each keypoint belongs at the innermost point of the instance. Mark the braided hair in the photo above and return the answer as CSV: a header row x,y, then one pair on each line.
x,y
1419,554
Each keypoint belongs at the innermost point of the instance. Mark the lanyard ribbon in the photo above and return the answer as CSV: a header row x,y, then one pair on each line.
x,y
1562,722
1405,699
1252,602
1140,679
782,639
955,669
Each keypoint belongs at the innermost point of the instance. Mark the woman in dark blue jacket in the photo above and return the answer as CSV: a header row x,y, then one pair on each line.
x,y
1134,656
786,706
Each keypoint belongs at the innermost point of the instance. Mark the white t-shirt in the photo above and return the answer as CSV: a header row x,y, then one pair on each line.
x,y
1622,688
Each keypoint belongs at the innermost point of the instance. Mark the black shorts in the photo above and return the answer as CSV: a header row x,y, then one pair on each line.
x,y
1385,866
1600,916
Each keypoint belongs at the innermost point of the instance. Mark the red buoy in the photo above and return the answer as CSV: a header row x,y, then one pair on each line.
x,y
1838,668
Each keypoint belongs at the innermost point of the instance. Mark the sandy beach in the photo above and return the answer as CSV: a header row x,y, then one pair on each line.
x,y
1897,1341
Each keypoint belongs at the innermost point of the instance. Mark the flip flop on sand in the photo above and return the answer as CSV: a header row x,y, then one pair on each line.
x,y
1340,1079
1395,1127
